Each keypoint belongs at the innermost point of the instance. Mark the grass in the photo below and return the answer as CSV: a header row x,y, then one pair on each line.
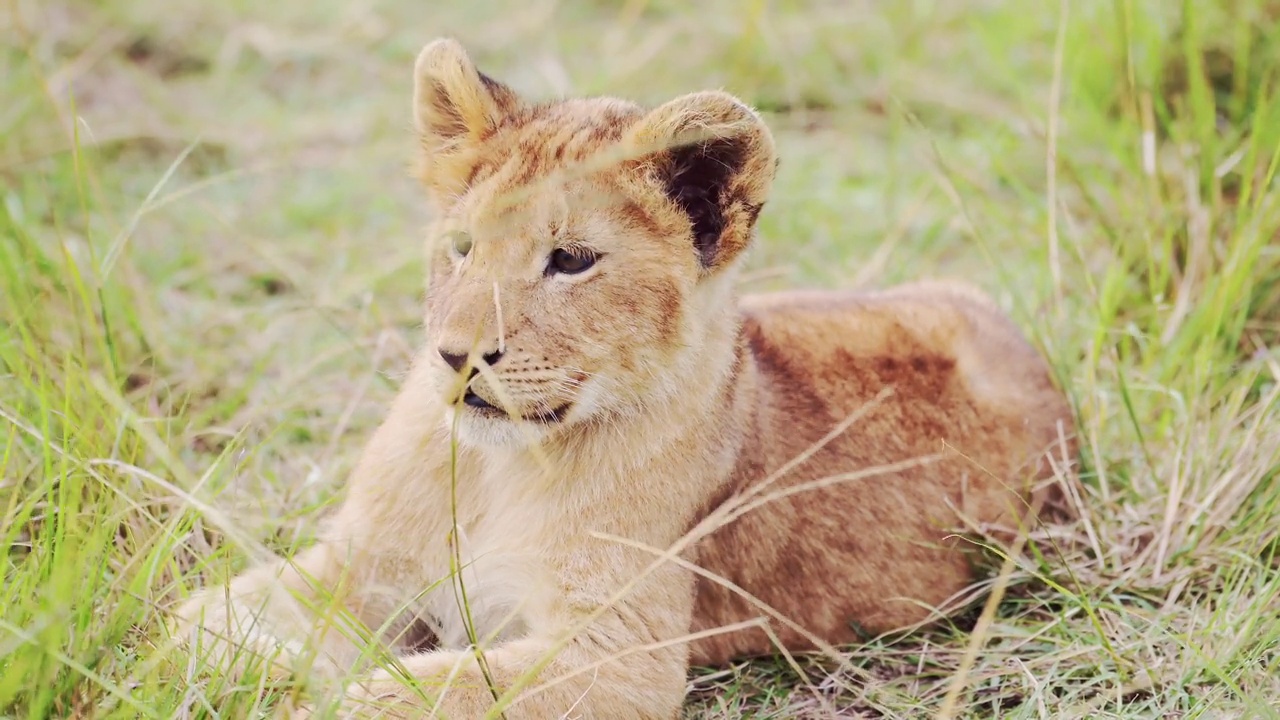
x,y
209,272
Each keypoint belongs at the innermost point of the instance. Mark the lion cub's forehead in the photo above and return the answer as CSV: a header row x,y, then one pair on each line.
x,y
550,172
556,141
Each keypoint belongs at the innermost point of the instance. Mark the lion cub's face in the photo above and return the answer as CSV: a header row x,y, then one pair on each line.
x,y
580,250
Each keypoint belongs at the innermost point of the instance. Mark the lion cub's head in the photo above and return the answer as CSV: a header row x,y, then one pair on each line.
x,y
582,252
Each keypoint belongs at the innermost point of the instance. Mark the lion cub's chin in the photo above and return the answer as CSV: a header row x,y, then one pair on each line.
x,y
481,430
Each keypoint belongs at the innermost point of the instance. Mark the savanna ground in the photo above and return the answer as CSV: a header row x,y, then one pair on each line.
x,y
210,267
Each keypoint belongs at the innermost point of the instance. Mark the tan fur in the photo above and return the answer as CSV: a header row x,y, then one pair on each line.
x,y
681,401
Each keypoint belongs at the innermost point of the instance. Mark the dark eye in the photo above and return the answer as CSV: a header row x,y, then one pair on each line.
x,y
570,262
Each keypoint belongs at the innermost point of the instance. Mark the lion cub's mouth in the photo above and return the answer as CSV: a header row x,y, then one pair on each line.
x,y
483,407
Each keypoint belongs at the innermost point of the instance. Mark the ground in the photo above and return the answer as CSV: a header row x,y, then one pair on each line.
x,y
210,270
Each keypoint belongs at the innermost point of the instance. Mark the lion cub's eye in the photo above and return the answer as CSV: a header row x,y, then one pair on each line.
x,y
460,242
570,262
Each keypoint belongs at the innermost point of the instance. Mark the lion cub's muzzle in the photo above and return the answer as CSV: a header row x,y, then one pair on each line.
x,y
524,393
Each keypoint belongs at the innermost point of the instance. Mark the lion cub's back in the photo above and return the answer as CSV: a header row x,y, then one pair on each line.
x,y
874,553
907,334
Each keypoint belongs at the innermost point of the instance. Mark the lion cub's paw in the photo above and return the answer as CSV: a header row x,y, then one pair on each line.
x,y
226,634
436,688
290,710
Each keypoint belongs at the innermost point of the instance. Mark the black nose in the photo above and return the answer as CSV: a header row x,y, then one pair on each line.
x,y
454,361
458,360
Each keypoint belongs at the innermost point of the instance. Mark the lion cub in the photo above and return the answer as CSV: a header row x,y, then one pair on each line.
x,y
634,469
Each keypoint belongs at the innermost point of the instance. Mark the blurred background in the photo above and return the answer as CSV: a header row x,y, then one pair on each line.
x,y
211,257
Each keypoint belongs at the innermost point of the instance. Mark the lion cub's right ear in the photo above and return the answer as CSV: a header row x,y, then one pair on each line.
x,y
454,108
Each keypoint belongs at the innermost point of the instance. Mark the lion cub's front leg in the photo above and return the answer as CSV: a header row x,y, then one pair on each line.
x,y
622,663
318,602
450,684
279,614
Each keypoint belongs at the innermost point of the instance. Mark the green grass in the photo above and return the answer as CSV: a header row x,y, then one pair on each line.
x,y
209,274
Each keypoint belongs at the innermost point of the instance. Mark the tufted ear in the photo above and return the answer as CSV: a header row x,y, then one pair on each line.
x,y
455,107
715,160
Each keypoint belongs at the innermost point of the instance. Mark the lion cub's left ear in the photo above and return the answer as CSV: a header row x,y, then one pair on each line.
x,y
715,160
455,107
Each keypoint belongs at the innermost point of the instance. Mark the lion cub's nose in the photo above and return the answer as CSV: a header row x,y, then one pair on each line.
x,y
458,360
